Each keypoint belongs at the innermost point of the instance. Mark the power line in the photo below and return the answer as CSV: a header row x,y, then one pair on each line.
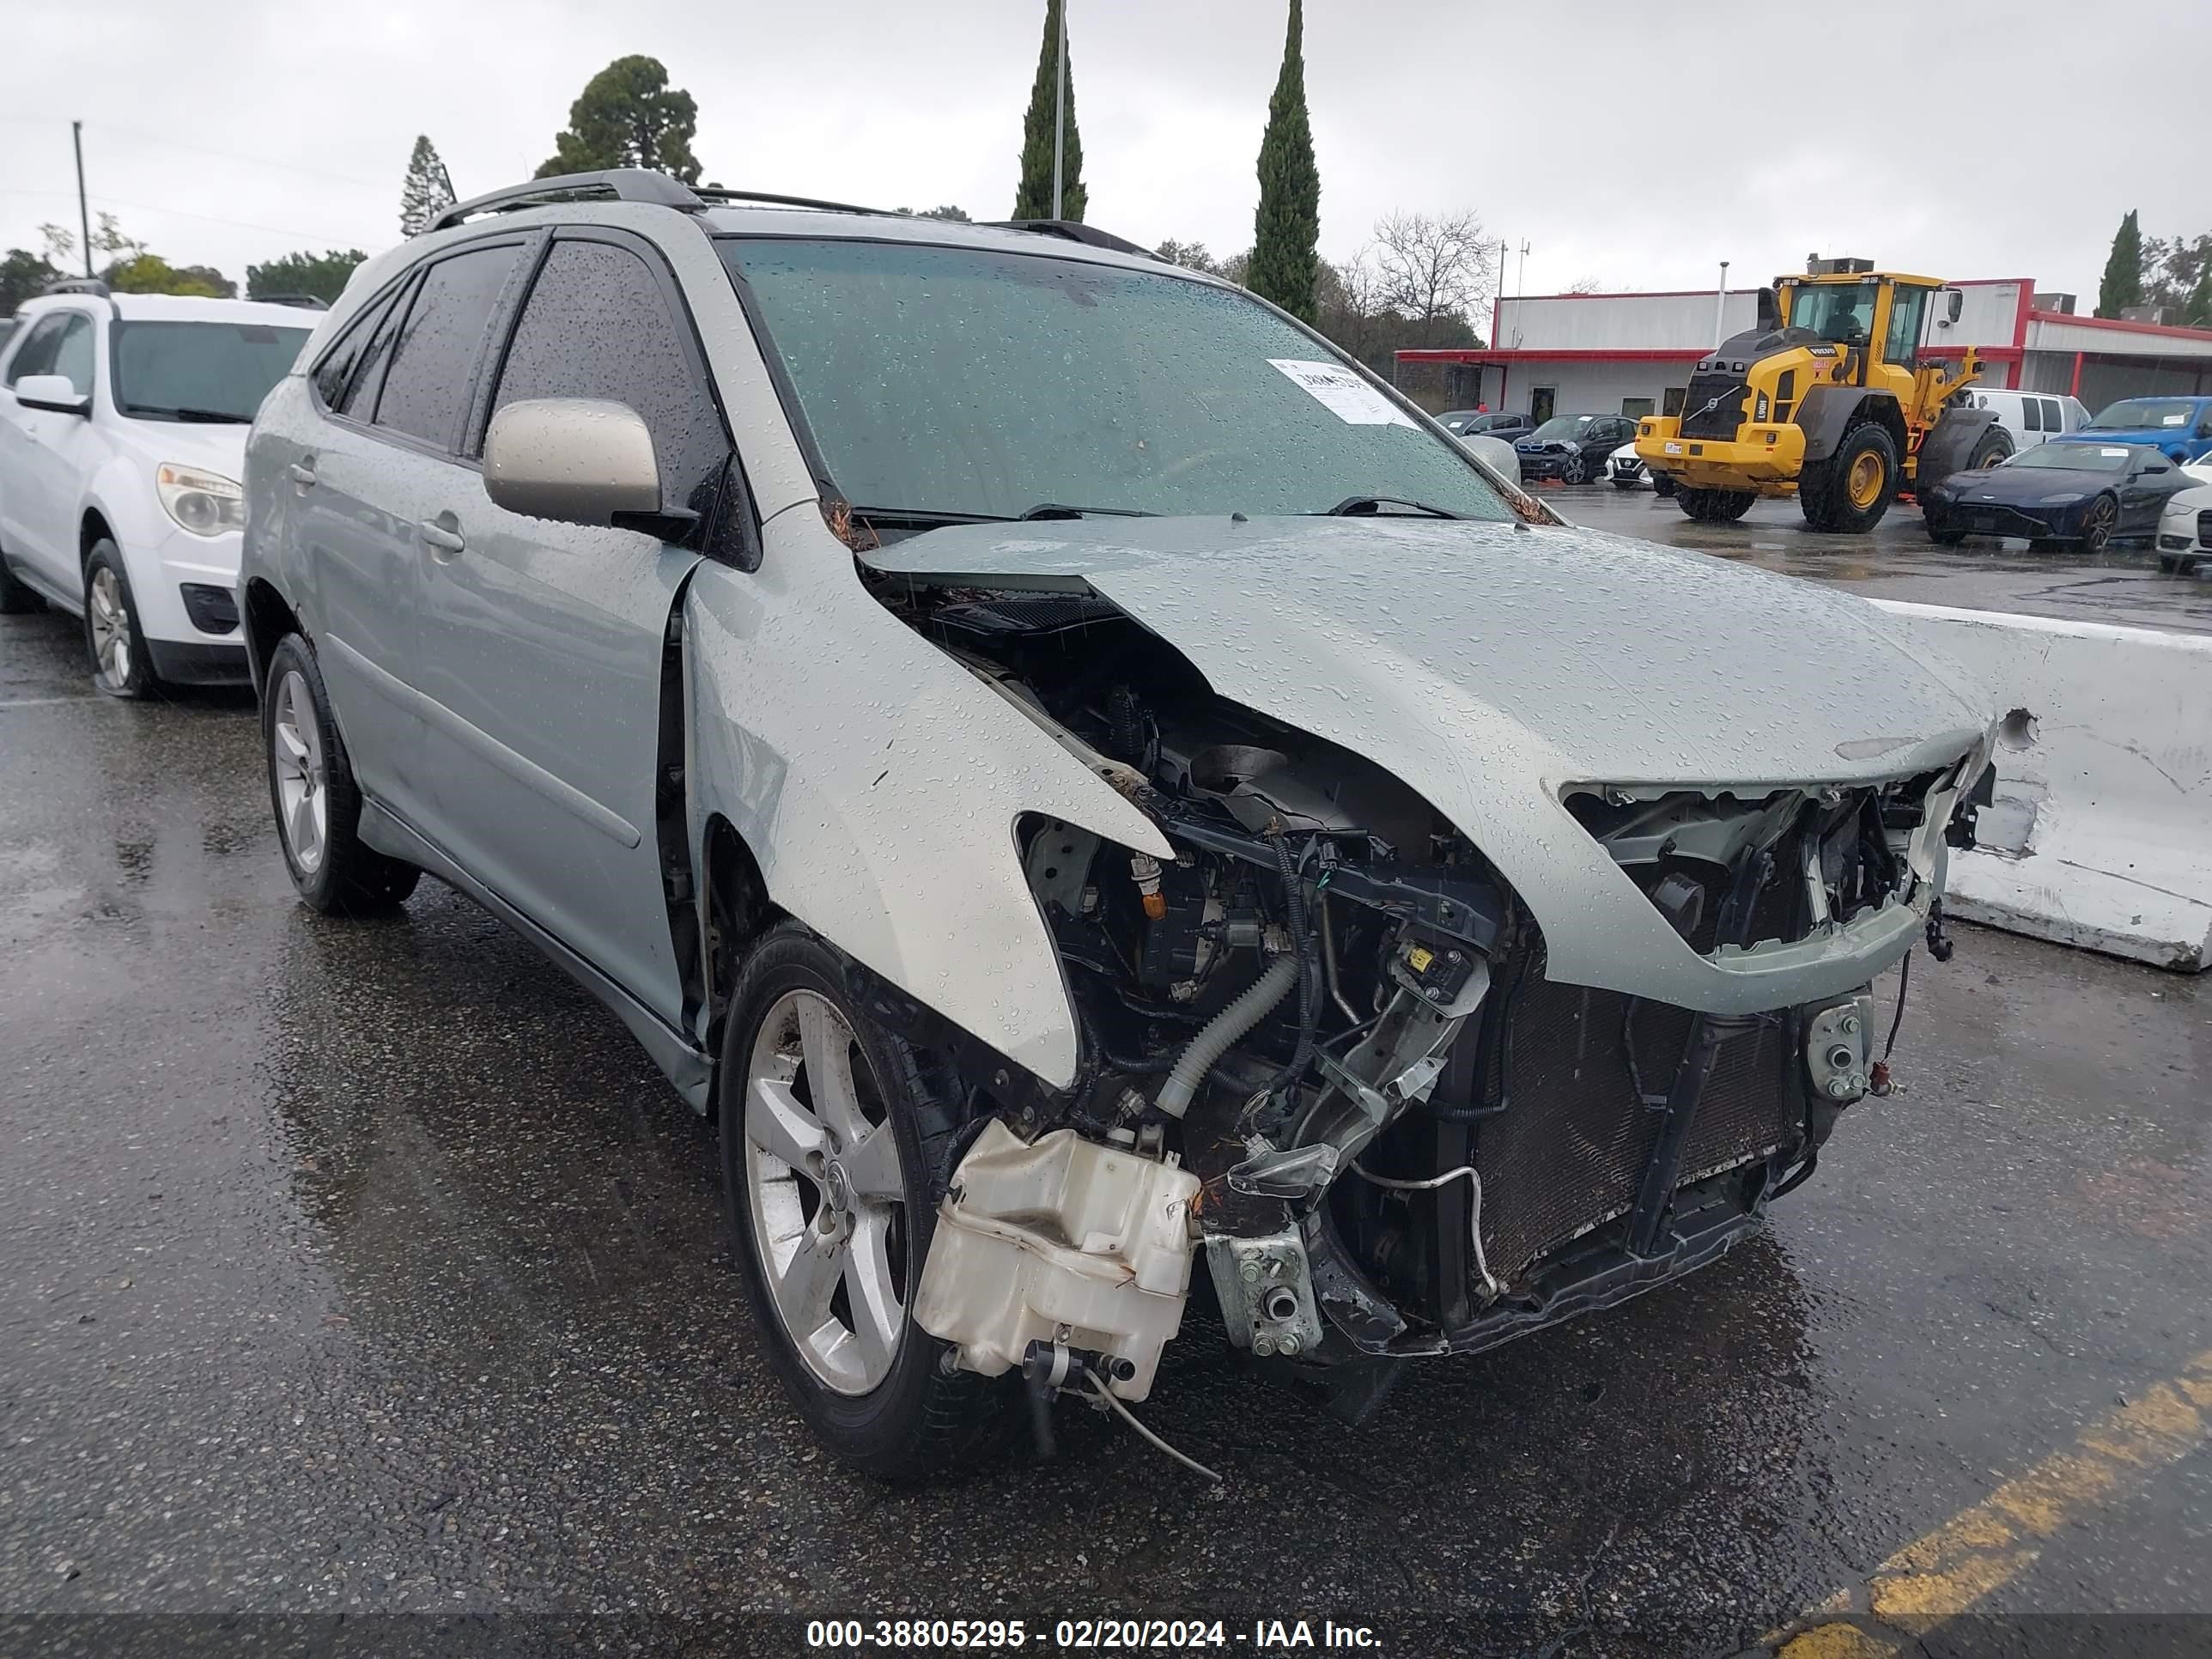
x,y
203,149
180,213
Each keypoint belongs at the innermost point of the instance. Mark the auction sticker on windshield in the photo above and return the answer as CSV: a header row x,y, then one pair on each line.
x,y
1350,398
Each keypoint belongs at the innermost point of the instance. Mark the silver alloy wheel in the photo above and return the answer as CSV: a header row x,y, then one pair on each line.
x,y
109,614
295,755
826,1195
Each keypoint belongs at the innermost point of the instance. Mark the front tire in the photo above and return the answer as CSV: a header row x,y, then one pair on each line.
x,y
121,664
316,800
839,1139
1574,470
1848,493
1715,506
2100,520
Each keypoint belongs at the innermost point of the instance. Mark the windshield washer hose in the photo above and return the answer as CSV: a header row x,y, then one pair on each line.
x,y
1221,1033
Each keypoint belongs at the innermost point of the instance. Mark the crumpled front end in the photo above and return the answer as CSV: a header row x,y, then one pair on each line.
x,y
1336,1017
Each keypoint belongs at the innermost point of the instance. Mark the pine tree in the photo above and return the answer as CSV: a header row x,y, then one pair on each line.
x,y
628,116
1033,197
2122,285
1286,228
427,192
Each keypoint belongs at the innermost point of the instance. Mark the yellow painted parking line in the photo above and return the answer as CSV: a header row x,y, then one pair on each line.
x,y
1979,1550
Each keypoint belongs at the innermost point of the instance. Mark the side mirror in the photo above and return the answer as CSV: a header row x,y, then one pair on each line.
x,y
1770,311
578,460
1954,301
52,392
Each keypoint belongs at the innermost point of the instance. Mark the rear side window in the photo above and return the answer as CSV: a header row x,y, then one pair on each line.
x,y
2052,420
434,357
597,325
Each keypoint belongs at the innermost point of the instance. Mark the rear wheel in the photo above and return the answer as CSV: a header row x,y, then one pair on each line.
x,y
1850,490
838,1142
1992,447
317,805
2099,521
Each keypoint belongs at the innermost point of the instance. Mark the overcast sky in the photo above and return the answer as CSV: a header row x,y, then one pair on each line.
x,y
1631,145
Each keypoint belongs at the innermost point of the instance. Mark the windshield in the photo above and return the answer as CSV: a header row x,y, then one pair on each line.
x,y
2145,412
1840,313
1564,426
971,383
200,371
2076,458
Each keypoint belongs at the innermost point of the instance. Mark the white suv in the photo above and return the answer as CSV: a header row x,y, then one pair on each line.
x,y
123,421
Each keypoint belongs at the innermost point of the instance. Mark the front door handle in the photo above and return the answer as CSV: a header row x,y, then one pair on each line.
x,y
301,473
443,541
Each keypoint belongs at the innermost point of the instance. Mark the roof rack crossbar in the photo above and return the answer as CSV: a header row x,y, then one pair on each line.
x,y
1075,231
617,184
711,193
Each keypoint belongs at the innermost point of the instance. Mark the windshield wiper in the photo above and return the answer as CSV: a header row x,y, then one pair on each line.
x,y
1362,506
198,416
927,518
1055,510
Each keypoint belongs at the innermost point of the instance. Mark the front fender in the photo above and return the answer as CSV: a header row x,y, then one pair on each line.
x,y
878,783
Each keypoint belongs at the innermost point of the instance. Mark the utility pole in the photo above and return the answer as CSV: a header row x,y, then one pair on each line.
x,y
83,213
1720,306
1059,108
1521,275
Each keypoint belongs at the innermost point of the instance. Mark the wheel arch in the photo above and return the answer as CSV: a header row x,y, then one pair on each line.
x,y
267,618
1827,412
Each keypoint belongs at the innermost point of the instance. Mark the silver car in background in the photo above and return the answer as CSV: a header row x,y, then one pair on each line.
x,y
1083,852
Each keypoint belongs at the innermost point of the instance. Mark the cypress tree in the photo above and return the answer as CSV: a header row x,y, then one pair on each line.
x,y
1286,228
2122,285
1033,197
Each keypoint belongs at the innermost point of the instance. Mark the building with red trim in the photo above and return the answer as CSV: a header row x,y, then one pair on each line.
x,y
1632,353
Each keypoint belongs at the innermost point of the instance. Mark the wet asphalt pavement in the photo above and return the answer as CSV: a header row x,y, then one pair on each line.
x,y
370,1268
1898,562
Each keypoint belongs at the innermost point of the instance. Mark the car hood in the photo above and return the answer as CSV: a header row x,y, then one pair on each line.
x,y
1432,646
216,447
2023,484
2190,500
1488,667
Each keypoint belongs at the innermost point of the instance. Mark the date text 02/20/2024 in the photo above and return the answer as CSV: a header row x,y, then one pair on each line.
x,y
1263,1636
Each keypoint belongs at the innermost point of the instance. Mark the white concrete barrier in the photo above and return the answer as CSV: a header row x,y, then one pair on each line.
x,y
2101,831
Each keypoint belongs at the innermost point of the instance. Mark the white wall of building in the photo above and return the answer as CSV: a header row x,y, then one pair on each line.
x,y
1584,388
1988,316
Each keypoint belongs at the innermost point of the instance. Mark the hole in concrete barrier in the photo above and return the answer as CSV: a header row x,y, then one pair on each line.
x,y
2017,730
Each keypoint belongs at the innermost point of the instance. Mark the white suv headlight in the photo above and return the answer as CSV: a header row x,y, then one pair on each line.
x,y
205,503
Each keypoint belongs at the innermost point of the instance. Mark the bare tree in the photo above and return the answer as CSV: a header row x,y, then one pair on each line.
x,y
1586,285
1192,256
1431,267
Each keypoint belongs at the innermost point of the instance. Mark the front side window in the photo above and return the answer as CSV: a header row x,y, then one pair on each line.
x,y
434,358
1841,314
199,371
335,374
596,325
974,383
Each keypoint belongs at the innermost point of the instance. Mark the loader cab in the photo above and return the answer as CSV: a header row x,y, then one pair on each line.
x,y
1882,315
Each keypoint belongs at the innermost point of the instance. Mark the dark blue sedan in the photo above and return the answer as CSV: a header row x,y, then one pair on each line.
x,y
2084,493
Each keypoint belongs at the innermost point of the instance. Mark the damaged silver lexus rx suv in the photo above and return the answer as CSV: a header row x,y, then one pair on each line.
x,y
1102,800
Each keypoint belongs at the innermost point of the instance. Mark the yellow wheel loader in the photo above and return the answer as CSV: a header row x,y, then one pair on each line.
x,y
1830,399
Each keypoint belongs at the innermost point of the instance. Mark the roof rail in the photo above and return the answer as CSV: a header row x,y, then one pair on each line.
x,y
711,193
1091,235
614,184
302,301
77,285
